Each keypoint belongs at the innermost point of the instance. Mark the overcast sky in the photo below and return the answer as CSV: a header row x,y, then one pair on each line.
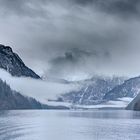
x,y
74,39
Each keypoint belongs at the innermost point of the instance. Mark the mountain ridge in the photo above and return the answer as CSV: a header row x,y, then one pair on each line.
x,y
130,88
92,91
11,62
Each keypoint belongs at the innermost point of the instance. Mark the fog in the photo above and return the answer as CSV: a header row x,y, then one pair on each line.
x,y
39,89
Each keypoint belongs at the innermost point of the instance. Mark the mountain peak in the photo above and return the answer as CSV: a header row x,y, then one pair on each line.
x,y
12,63
6,49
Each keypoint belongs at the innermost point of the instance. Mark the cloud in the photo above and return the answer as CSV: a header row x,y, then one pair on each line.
x,y
22,8
69,38
122,8
73,64
38,89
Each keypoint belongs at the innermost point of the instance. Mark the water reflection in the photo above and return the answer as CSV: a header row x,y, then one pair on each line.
x,y
114,114
69,125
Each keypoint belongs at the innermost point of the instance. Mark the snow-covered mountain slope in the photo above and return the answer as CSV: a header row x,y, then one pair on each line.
x,y
130,88
92,91
12,63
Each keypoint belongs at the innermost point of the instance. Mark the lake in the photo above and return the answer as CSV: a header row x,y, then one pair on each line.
x,y
69,125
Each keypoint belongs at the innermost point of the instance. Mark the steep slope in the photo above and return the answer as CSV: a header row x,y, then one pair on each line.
x,y
135,104
92,91
12,63
130,88
10,99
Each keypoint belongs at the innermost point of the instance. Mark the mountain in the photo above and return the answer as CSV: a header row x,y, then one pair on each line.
x,y
12,63
135,104
10,99
130,88
92,91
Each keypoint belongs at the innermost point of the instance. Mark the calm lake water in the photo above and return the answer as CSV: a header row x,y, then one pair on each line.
x,y
69,125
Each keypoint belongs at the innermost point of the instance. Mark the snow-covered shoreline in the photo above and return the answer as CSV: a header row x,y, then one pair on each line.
x,y
120,103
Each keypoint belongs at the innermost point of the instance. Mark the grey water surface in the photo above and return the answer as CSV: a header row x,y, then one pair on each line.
x,y
69,125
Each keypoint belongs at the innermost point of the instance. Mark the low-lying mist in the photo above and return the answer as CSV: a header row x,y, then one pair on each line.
x,y
42,90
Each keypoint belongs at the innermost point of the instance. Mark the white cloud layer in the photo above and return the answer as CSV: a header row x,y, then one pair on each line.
x,y
38,89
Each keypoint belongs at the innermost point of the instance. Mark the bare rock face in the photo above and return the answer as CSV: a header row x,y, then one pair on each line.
x,y
12,63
